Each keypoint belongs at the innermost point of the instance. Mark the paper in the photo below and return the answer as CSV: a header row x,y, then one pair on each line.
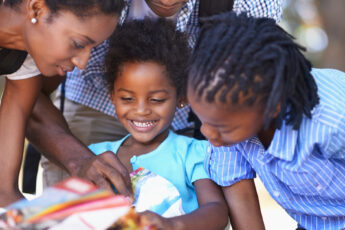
x,y
72,202
155,193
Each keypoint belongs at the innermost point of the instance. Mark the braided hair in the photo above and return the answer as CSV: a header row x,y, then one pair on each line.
x,y
253,60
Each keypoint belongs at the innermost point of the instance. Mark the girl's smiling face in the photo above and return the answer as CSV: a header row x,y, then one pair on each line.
x,y
145,100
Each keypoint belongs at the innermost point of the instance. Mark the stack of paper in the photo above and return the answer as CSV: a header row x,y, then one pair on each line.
x,y
71,204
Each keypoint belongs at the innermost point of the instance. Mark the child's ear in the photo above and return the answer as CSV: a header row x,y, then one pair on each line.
x,y
182,102
112,96
277,111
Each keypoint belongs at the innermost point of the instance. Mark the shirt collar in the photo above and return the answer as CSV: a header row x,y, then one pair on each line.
x,y
284,142
125,11
182,16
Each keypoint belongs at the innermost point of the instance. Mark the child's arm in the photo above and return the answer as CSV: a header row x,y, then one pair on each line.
x,y
211,214
244,205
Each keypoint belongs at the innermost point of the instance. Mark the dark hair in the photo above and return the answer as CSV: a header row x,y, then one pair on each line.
x,y
211,7
255,60
149,40
80,8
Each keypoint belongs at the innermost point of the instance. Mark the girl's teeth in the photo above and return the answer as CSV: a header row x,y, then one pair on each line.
x,y
143,124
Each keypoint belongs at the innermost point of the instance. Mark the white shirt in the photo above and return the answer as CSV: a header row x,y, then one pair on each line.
x,y
27,70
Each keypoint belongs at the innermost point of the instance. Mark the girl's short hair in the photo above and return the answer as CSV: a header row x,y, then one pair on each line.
x,y
253,59
149,40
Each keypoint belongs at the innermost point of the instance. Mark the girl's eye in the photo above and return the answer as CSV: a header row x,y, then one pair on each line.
x,y
126,98
158,100
77,45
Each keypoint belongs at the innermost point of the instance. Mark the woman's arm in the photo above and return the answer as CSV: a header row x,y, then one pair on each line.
x,y
49,133
244,205
211,214
17,102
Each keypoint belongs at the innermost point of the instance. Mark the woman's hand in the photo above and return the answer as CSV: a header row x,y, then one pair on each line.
x,y
7,198
106,169
49,133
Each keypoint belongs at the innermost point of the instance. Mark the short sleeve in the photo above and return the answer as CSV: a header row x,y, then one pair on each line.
x,y
27,70
260,8
226,165
102,147
194,161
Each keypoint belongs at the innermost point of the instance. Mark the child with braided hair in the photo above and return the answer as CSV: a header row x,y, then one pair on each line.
x,y
266,111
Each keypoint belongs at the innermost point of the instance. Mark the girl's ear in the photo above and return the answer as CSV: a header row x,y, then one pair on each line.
x,y
112,96
182,102
277,111
36,8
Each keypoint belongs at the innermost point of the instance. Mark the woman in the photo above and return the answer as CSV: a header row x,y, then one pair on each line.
x,y
58,36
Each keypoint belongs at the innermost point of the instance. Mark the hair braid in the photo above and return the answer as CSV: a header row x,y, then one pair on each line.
x,y
239,57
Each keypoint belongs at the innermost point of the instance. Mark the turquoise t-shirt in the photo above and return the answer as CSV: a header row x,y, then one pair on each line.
x,y
179,159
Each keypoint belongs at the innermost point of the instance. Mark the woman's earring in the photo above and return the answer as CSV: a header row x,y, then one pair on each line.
x,y
181,105
33,20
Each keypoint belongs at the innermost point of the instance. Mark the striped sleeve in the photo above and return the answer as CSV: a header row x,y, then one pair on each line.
x,y
226,165
331,85
336,142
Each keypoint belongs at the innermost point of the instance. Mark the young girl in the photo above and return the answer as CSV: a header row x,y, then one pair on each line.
x,y
146,67
254,91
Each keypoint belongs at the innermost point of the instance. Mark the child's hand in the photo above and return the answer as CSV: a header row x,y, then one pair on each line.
x,y
151,220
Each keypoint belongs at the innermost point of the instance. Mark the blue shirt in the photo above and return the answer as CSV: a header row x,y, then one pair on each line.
x,y
88,87
179,159
304,169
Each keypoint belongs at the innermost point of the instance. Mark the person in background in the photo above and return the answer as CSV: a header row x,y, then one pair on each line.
x,y
259,97
48,37
146,69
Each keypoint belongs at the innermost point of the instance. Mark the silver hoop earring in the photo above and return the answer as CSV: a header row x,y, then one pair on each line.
x,y
33,20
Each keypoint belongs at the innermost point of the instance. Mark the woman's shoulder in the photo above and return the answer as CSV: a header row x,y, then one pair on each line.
x,y
25,70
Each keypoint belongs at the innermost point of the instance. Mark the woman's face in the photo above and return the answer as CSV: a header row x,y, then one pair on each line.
x,y
166,8
60,42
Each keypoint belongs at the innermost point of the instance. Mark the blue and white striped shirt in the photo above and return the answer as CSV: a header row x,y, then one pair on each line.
x,y
88,87
304,169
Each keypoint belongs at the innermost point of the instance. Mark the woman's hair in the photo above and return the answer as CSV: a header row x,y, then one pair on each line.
x,y
240,59
80,8
149,41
